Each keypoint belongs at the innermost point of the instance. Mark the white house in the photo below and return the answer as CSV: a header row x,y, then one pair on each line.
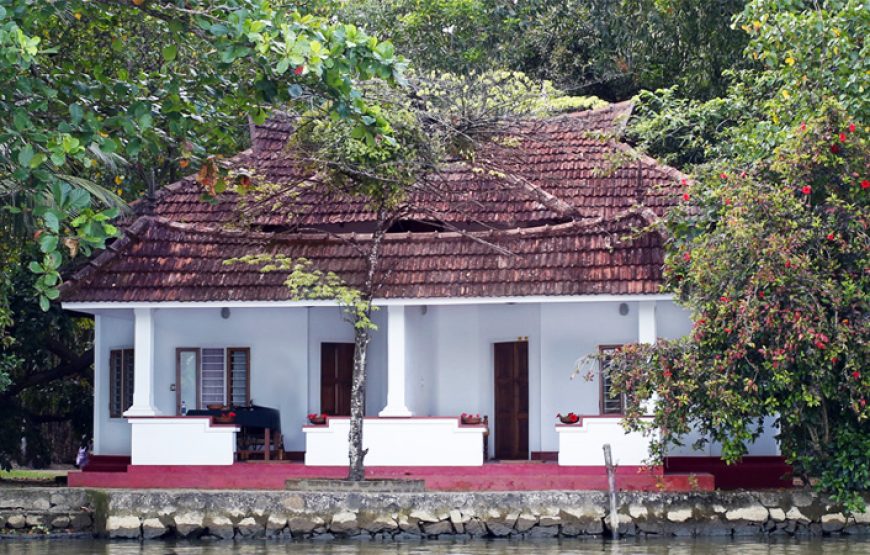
x,y
463,327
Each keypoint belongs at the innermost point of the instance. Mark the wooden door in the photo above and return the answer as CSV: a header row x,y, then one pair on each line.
x,y
512,400
336,375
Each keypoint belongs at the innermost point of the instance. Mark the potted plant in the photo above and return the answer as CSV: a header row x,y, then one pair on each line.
x,y
317,419
225,417
570,418
470,419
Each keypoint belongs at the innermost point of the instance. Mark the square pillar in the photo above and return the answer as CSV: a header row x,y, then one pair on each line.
x,y
143,364
395,363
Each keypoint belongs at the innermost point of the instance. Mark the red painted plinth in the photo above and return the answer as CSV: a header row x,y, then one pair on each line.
x,y
751,472
489,477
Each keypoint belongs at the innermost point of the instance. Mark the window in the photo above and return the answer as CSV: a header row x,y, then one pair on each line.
x,y
212,375
120,381
608,404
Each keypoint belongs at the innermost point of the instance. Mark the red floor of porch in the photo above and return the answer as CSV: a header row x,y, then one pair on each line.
x,y
493,476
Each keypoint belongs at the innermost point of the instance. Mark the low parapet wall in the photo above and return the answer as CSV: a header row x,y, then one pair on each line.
x,y
150,514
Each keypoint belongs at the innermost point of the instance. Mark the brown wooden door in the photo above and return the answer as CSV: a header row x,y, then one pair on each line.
x,y
512,400
336,375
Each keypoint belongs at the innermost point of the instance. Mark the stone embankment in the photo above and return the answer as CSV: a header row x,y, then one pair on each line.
x,y
151,514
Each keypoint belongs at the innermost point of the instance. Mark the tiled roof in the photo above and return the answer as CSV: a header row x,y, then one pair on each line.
x,y
552,226
159,260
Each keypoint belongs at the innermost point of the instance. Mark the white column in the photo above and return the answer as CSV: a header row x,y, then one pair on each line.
x,y
395,363
646,333
143,365
646,322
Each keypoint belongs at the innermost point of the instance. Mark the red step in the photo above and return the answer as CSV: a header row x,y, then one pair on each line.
x,y
749,473
107,463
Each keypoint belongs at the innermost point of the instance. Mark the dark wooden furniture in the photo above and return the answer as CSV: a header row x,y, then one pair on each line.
x,y
260,434
512,400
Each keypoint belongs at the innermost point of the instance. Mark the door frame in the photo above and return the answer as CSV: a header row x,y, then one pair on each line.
x,y
492,387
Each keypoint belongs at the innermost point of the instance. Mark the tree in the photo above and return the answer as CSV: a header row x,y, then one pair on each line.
x,y
106,99
769,252
609,48
435,121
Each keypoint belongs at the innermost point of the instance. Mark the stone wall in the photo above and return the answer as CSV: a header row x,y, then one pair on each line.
x,y
46,511
150,514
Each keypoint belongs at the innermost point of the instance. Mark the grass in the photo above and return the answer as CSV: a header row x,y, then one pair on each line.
x,y
31,475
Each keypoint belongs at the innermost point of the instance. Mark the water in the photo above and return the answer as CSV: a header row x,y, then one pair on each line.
x,y
784,546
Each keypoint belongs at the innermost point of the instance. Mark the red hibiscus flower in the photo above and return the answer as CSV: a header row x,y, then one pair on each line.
x,y
856,375
835,148
852,128
723,175
686,197
788,263
806,189
865,183
842,137
299,70
667,374
803,126
687,257
830,236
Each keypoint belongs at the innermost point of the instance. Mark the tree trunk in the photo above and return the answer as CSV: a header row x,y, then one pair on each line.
x,y
356,453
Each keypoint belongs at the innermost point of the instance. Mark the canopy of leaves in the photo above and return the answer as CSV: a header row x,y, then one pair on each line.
x,y
770,250
609,48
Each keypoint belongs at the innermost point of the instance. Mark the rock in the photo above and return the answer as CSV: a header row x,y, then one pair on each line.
x,y
833,522
802,499
458,521
679,515
381,523
544,532
35,520
80,521
637,510
61,521
248,527
190,525
795,514
293,503
344,523
153,528
862,518
218,526
2,522
525,521
123,526
777,514
549,520
582,520
16,522
475,527
409,525
424,516
500,525
437,528
754,513
304,524
275,524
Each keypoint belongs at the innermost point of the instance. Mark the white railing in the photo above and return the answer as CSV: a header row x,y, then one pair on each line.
x,y
581,444
187,441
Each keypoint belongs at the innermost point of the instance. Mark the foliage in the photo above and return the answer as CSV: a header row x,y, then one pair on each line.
x,y
769,251
90,88
610,48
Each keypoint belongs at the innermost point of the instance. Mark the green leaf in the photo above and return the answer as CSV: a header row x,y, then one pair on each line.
x,y
76,112
48,243
36,267
51,222
170,52
25,155
44,303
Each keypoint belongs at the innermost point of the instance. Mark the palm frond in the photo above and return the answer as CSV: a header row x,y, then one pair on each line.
x,y
104,196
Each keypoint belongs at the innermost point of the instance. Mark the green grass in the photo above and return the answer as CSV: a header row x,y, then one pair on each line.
x,y
19,474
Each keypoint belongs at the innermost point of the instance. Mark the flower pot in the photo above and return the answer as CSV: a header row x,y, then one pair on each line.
x,y
471,420
317,420
568,420
224,419
214,406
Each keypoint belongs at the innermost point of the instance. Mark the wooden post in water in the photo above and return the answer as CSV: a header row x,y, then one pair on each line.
x,y
611,486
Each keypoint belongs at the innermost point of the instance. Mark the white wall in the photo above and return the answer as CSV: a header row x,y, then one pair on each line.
x,y
326,325
278,339
112,330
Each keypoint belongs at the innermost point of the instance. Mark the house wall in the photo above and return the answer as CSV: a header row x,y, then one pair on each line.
x,y
278,339
111,331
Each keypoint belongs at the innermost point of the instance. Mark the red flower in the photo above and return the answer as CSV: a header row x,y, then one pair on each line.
x,y
667,373
684,182
856,375
852,128
865,183
842,137
835,148
686,197
232,415
728,201
806,189
299,70
788,263
830,236
803,126
723,298
728,330
723,175
820,345
862,402
687,257
761,294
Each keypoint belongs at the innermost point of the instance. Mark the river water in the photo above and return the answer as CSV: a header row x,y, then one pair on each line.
x,y
784,546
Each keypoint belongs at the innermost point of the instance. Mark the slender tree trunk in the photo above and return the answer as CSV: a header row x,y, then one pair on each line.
x,y
356,453
362,336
